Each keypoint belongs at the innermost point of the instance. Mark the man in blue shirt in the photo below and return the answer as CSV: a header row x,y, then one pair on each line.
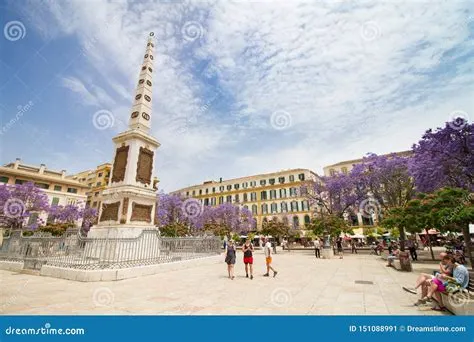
x,y
460,279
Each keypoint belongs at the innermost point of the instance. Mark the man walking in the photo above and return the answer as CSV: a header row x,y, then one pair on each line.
x,y
317,248
247,249
268,258
412,248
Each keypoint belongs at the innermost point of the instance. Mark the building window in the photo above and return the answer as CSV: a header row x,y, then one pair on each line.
x,y
253,196
274,208
292,178
72,190
245,185
263,182
206,201
194,192
200,191
296,222
271,181
306,220
150,69
97,184
294,206
148,82
58,188
96,194
284,207
229,199
264,208
253,183
138,97
148,98
273,194
301,176
281,180
207,191
254,209
94,204
213,201
55,201
237,199
100,174
332,172
293,192
304,205
19,181
245,197
282,193
42,185
3,179
221,188
221,200
213,190
229,187
236,186
263,195
344,170
90,185
187,193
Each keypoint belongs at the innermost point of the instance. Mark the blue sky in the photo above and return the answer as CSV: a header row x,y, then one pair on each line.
x,y
240,87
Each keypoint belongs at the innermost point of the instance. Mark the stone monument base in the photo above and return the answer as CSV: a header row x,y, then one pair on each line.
x,y
327,253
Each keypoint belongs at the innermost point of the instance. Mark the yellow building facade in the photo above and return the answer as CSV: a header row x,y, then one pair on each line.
x,y
266,195
96,181
60,188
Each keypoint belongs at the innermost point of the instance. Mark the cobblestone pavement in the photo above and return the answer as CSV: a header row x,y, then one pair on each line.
x,y
303,286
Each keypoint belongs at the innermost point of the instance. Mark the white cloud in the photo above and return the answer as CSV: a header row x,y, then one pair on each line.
x,y
355,77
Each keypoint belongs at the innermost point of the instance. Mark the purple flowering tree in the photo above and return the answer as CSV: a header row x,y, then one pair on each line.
x,y
18,202
89,218
445,157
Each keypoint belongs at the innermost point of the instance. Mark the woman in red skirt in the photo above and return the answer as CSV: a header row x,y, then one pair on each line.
x,y
247,248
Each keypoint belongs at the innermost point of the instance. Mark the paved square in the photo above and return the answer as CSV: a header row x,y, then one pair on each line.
x,y
304,286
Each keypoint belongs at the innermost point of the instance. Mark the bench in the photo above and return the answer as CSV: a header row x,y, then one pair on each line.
x,y
462,302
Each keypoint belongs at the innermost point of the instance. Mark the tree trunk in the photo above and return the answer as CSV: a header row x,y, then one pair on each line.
x,y
429,244
467,240
402,239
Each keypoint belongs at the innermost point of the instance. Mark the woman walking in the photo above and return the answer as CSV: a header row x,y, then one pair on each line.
x,y
247,248
230,258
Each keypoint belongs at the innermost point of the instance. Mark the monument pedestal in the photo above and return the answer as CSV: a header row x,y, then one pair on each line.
x,y
327,253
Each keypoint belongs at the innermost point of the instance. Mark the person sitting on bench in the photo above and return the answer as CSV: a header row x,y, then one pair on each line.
x,y
456,283
393,256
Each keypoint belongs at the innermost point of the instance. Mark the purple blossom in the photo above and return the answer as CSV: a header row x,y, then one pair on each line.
x,y
444,157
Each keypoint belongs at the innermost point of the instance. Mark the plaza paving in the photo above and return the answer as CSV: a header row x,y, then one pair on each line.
x,y
304,286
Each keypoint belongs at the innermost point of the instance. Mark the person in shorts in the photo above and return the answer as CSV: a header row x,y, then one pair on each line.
x,y
247,249
340,251
268,259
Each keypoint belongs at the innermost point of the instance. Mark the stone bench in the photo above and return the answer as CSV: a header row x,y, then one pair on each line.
x,y
462,302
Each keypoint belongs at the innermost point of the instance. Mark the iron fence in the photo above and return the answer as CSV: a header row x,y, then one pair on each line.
x,y
72,250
